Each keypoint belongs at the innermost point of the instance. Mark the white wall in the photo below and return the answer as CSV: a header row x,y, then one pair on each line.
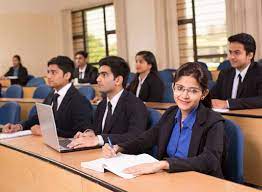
x,y
141,33
35,37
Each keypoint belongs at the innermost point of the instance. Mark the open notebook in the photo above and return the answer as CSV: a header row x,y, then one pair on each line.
x,y
117,164
16,134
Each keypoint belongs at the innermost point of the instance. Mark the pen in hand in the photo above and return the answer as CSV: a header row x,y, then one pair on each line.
x,y
110,142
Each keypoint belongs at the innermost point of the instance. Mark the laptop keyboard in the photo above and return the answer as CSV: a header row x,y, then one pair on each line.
x,y
64,142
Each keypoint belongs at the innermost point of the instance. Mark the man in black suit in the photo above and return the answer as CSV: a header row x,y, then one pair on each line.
x,y
85,73
121,115
72,111
240,86
17,70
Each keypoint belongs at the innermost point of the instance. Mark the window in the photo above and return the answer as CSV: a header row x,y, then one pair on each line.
x,y
202,31
94,31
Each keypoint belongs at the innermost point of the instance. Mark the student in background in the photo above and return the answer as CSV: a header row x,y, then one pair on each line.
x,y
147,85
120,115
240,86
17,70
188,137
84,72
72,111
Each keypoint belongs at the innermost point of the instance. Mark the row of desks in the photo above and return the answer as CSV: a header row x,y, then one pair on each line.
x,y
28,165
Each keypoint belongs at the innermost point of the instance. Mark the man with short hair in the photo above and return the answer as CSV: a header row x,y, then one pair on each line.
x,y
240,86
84,72
120,116
72,111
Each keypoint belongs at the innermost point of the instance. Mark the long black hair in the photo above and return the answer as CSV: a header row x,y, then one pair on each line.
x,y
196,71
150,58
18,58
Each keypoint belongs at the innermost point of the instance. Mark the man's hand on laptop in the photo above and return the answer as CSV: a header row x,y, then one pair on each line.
x,y
36,130
11,128
86,139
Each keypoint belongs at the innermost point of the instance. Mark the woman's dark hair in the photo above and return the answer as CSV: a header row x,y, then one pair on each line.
x,y
149,57
196,71
18,58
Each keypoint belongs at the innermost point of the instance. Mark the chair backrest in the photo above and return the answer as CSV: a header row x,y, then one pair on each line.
x,y
42,91
29,77
131,77
154,117
224,65
233,167
14,91
211,84
32,112
166,75
88,92
10,113
35,82
168,96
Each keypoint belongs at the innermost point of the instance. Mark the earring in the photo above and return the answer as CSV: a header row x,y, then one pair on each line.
x,y
202,98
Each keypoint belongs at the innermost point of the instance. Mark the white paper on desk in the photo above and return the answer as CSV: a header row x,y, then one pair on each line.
x,y
220,110
117,164
16,134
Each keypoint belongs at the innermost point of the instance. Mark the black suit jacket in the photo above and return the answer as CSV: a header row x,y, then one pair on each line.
x,y
74,114
152,89
206,145
22,75
128,121
250,94
91,74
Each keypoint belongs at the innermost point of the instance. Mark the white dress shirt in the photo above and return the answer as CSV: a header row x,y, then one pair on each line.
x,y
113,102
82,72
140,83
62,92
235,82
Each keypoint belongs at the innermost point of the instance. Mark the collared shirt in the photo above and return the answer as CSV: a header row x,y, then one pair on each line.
x,y
113,102
179,141
140,83
82,72
235,82
15,73
62,92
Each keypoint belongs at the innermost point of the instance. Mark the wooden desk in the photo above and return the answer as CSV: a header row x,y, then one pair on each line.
x,y
25,103
5,82
29,165
250,122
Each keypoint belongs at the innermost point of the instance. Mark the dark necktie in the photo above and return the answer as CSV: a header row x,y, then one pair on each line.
x,y
108,115
55,102
239,84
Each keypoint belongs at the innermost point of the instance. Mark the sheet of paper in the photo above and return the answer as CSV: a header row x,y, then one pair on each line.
x,y
16,134
220,110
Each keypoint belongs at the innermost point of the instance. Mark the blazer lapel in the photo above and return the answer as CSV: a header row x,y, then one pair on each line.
x,y
245,81
230,83
197,132
66,99
101,113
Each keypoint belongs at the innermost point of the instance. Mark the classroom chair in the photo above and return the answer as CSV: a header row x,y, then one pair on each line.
x,y
42,91
87,91
14,91
10,113
233,167
35,82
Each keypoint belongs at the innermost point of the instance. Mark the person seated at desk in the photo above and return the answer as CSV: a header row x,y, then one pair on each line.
x,y
72,111
18,70
240,86
84,72
147,84
120,115
188,137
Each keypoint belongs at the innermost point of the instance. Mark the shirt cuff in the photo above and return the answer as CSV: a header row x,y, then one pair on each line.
x,y
227,104
100,140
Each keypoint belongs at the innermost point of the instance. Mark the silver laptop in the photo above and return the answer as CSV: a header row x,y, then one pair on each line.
x,y
49,131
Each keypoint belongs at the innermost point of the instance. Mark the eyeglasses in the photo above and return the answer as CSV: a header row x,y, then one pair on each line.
x,y
180,89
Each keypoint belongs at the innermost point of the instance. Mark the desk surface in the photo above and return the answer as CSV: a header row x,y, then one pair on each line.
x,y
21,100
187,181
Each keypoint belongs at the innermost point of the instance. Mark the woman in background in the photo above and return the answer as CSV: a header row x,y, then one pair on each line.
x,y
147,85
